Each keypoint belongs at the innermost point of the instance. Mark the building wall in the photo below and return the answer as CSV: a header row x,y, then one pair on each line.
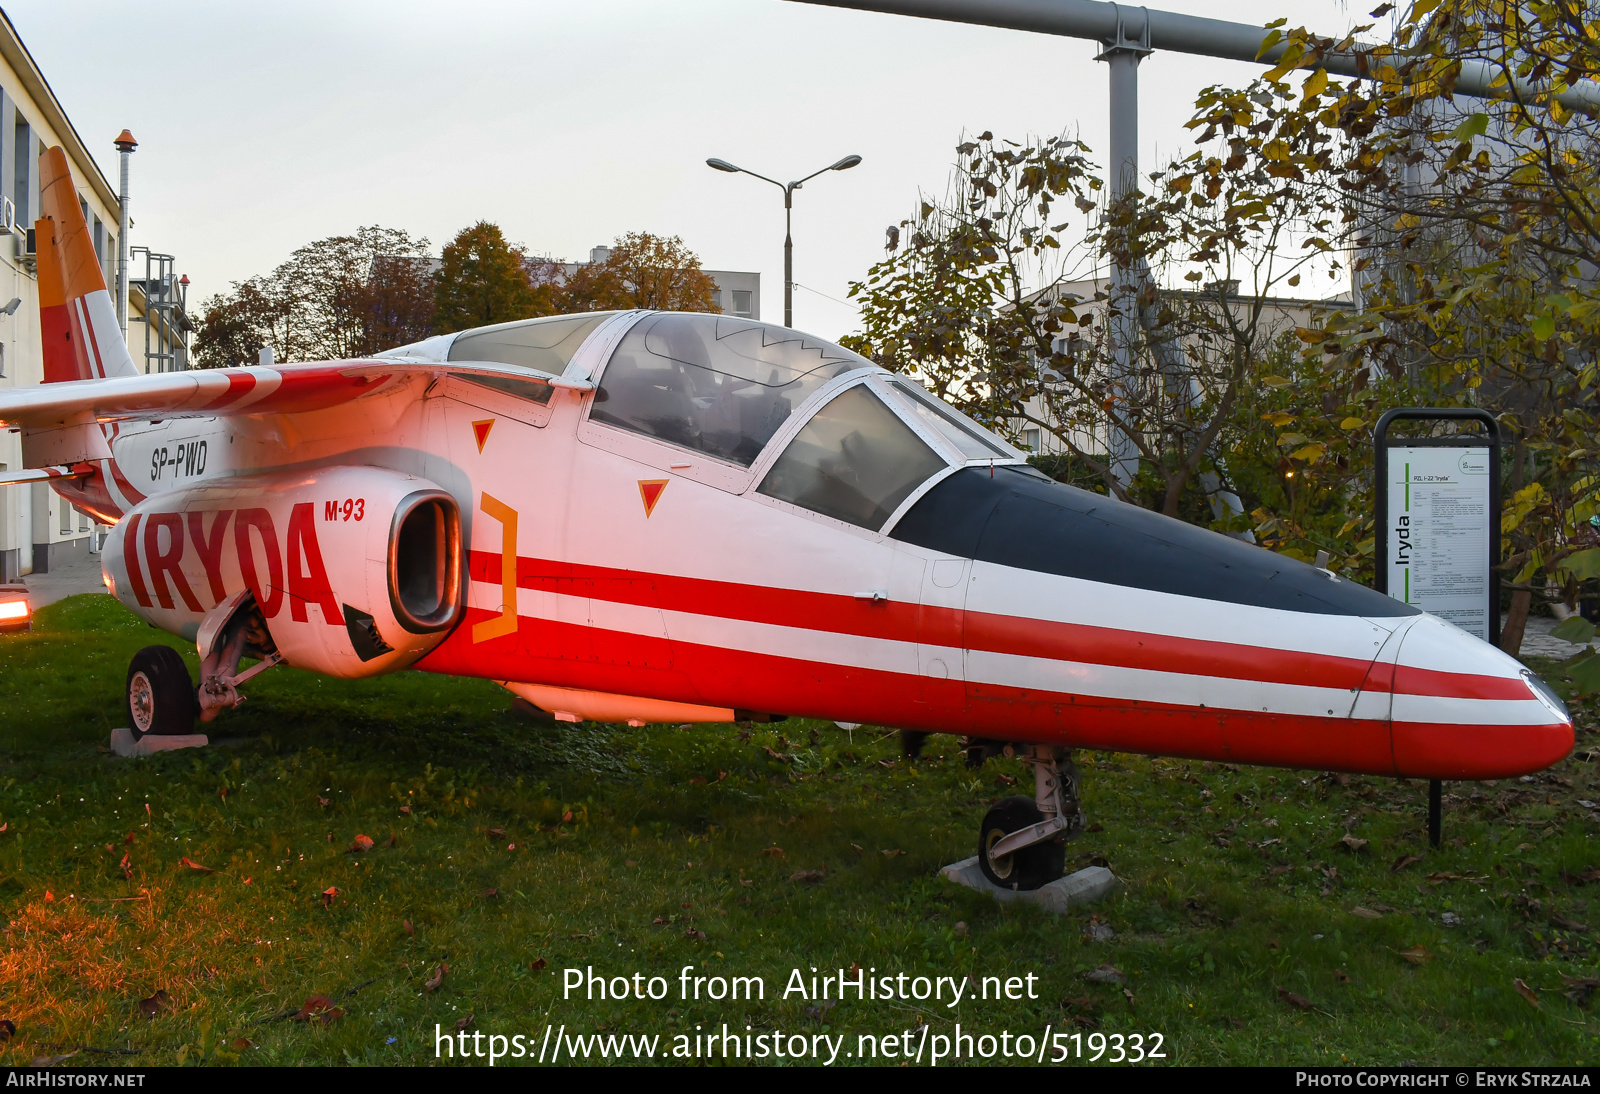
x,y
31,516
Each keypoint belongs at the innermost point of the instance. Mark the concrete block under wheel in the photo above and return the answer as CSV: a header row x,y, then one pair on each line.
x,y
1084,887
123,744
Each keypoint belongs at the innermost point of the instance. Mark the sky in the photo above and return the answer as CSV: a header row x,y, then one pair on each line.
x,y
263,127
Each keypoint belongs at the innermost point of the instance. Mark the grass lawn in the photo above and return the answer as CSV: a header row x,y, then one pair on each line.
x,y
515,850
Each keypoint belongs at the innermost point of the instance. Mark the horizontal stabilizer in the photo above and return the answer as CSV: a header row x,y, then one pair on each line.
x,y
45,474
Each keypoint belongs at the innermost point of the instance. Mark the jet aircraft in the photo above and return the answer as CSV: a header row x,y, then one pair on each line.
x,y
643,516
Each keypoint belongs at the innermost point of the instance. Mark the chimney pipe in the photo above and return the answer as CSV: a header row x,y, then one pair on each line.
x,y
125,146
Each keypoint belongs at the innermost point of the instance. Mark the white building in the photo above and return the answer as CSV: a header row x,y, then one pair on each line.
x,y
39,530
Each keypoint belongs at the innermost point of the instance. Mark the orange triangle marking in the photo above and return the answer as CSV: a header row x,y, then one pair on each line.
x,y
650,491
480,430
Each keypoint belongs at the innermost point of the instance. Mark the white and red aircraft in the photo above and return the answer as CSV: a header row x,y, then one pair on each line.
x,y
644,517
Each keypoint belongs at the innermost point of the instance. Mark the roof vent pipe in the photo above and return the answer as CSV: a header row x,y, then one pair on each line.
x,y
125,146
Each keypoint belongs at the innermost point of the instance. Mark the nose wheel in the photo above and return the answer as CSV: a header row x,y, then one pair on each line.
x,y
1022,844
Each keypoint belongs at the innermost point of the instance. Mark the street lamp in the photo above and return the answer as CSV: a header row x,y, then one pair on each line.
x,y
788,204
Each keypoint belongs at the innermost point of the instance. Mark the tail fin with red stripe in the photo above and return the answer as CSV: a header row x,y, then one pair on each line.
x,y
82,339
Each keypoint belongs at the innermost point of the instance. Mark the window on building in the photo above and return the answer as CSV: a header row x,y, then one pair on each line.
x,y
716,300
741,303
66,516
83,521
855,460
1030,439
99,239
22,151
2,360
713,383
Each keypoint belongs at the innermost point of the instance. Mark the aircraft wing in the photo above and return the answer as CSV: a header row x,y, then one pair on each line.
x,y
226,392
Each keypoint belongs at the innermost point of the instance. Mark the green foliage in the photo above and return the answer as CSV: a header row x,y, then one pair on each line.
x,y
482,279
336,298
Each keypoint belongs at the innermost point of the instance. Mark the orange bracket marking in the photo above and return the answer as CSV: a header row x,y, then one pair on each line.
x,y
650,491
506,622
480,430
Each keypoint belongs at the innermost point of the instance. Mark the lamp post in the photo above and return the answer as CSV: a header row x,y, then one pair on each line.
x,y
788,204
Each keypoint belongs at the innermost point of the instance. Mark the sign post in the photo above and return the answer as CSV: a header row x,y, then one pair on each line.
x,y
1437,532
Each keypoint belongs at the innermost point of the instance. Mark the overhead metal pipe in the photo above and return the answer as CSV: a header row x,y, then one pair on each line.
x,y
1106,22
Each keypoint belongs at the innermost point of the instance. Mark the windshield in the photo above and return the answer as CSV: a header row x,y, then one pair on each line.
x,y
544,344
855,460
968,439
713,383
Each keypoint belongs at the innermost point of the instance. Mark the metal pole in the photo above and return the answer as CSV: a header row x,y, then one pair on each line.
x,y
788,257
1122,59
125,146
1098,21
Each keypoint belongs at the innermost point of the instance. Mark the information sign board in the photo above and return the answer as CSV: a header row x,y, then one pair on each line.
x,y
1438,506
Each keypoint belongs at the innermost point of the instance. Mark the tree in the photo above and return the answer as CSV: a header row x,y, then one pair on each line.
x,y
483,279
336,298
642,271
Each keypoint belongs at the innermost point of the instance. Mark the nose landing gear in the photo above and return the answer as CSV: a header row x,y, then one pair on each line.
x,y
1022,843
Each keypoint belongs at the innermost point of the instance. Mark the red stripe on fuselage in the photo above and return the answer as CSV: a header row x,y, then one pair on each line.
x,y
1010,635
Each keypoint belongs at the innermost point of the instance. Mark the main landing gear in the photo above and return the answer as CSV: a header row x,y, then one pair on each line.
x,y
163,700
1022,843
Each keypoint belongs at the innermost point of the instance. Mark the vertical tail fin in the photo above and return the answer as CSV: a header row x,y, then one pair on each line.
x,y
82,339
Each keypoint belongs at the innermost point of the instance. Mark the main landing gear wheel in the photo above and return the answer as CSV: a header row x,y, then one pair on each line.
x,y
160,695
1025,869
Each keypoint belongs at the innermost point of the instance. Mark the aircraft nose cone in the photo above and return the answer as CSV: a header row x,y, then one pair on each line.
x,y
1464,710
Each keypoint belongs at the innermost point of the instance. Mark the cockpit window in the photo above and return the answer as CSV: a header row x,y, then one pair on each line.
x,y
543,344
969,441
713,383
855,460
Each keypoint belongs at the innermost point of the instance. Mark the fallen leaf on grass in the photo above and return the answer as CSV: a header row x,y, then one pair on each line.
x,y
406,809
698,936
433,982
1298,1002
360,845
747,883
1105,974
629,863
329,895
392,840
1579,988
1365,913
242,1043
409,929
1353,843
465,1023
1005,780
323,801
1416,955
318,1009
8,1029
489,894
698,780
566,818
496,833
774,851
53,1061
892,854
1403,861
1567,924
537,963
126,839
1583,878
1442,876
1526,992
157,1005
1129,995
195,866
810,877
1341,976
127,868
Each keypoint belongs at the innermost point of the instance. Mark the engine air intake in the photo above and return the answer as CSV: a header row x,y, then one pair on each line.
x,y
425,562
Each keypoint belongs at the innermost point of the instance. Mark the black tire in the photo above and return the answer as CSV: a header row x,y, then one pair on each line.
x,y
160,696
1029,868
